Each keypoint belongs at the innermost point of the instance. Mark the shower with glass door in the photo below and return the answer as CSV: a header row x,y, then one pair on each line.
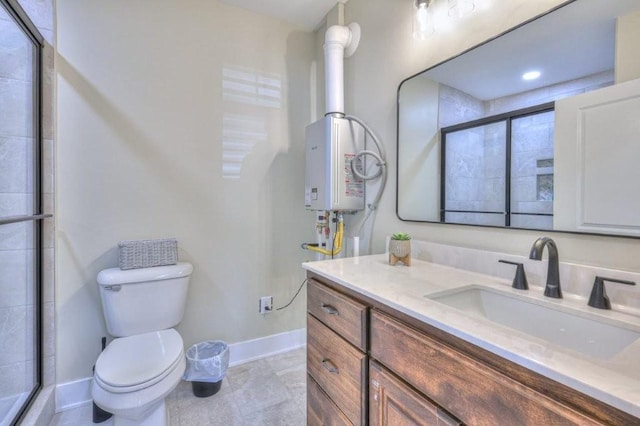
x,y
20,211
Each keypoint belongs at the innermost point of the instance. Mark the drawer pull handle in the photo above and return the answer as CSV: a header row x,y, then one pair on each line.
x,y
329,366
330,309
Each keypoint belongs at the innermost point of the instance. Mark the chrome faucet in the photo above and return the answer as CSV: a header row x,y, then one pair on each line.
x,y
552,289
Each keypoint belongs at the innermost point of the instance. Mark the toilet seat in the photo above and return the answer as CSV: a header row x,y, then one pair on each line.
x,y
136,362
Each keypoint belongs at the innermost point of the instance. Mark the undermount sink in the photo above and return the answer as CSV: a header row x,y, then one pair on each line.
x,y
577,331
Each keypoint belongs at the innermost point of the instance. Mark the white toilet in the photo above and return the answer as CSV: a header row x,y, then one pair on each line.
x,y
146,361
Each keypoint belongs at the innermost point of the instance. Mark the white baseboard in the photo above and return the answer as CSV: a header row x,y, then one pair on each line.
x,y
252,350
73,394
77,393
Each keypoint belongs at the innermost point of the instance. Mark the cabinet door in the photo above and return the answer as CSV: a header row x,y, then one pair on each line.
x,y
321,411
596,170
391,402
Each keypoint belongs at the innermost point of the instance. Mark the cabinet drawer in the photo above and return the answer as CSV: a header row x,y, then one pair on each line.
x,y
342,314
392,402
321,411
474,392
338,367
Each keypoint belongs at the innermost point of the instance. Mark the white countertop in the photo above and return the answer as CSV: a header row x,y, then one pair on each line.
x,y
615,381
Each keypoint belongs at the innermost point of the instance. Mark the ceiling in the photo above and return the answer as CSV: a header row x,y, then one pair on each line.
x,y
308,14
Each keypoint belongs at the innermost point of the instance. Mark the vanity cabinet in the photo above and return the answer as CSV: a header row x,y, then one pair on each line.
x,y
392,402
471,390
337,362
387,368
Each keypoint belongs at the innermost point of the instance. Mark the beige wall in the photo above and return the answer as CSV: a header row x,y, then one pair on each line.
x,y
387,54
145,128
627,36
141,115
419,116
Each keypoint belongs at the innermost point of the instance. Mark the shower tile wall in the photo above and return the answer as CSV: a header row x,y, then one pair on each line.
x,y
456,106
16,198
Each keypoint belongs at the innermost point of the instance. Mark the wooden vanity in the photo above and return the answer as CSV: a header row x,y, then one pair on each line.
x,y
368,363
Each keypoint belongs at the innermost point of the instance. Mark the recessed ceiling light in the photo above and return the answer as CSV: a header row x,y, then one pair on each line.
x,y
531,75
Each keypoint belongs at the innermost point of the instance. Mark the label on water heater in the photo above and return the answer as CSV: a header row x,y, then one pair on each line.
x,y
353,185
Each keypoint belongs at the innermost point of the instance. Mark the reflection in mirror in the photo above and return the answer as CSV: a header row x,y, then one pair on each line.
x,y
475,157
476,134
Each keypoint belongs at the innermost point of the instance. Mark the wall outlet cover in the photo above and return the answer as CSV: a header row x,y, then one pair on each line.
x,y
266,304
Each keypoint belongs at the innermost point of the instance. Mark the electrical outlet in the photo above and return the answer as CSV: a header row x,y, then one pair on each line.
x,y
266,304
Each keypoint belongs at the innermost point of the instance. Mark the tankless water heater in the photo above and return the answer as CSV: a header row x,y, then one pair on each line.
x,y
330,185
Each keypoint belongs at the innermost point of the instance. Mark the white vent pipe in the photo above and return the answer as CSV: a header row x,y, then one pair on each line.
x,y
339,42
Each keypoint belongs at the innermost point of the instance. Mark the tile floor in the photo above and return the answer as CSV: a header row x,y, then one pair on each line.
x,y
270,391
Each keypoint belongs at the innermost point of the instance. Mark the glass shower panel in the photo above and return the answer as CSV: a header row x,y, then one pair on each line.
x,y
532,170
17,121
475,175
18,328
19,309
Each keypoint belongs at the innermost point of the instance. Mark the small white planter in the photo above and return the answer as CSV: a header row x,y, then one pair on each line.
x,y
400,251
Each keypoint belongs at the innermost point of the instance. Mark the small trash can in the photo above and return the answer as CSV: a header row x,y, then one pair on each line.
x,y
207,364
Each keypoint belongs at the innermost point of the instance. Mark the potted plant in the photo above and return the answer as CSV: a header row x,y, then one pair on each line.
x,y
400,248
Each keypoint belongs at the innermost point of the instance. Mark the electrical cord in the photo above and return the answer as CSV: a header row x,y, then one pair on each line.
x,y
294,296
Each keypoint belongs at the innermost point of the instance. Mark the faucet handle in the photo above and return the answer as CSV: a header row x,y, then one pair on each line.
x,y
520,280
599,298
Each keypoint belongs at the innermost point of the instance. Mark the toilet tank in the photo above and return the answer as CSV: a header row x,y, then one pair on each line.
x,y
141,300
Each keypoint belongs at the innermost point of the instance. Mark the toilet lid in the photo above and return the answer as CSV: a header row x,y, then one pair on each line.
x,y
137,360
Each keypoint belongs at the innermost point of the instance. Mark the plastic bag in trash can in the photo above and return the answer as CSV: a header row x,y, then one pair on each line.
x,y
207,362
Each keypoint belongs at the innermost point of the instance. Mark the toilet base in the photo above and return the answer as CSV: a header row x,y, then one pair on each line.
x,y
156,417
143,407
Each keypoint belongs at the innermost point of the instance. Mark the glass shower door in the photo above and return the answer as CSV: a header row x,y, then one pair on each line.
x,y
20,218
